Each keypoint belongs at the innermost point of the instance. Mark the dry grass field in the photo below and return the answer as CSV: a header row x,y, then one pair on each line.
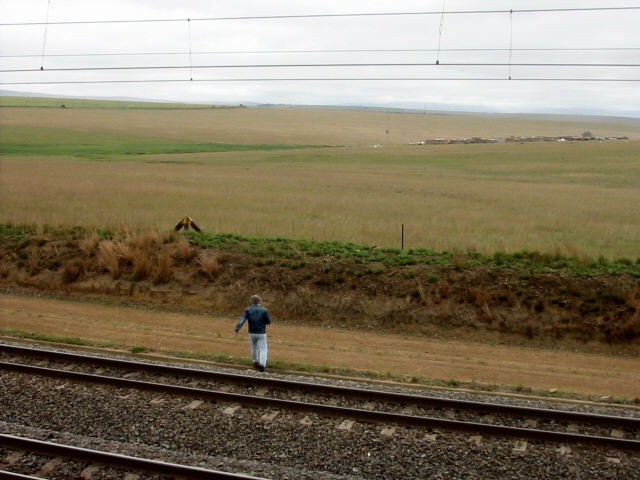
x,y
309,126
576,198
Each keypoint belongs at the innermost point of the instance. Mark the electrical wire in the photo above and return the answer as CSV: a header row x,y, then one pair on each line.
x,y
355,50
328,15
320,65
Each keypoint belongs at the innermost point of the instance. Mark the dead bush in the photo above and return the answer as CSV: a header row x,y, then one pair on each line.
x,y
72,270
4,270
34,261
184,250
458,260
482,297
442,291
141,264
108,258
126,253
633,299
208,264
88,244
146,240
165,264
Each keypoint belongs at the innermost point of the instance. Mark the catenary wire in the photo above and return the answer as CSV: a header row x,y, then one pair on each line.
x,y
319,65
331,15
355,50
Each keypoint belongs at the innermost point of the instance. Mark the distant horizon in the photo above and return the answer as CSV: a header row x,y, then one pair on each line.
x,y
402,107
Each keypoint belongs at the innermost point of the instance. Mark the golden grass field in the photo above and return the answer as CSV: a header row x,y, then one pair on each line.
x,y
572,198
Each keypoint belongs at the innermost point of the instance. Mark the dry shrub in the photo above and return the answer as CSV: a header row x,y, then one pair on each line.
x,y
482,297
170,236
146,240
441,291
208,264
184,250
72,270
633,299
108,258
458,260
142,264
424,298
88,244
126,254
34,261
164,273
4,270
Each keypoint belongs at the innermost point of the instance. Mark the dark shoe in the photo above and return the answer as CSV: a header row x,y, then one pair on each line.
x,y
256,365
261,368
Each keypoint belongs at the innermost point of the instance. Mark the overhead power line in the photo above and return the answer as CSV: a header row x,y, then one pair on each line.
x,y
328,15
335,79
319,65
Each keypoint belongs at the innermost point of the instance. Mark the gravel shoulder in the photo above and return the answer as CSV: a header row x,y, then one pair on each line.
x,y
491,364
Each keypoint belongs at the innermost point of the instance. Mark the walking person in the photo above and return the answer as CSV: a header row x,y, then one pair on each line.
x,y
258,318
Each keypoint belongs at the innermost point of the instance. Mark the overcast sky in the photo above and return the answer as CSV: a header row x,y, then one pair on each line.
x,y
506,39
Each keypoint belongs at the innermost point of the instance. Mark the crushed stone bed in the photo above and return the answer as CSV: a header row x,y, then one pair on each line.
x,y
207,435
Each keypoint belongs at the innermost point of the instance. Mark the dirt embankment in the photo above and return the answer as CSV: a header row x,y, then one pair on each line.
x,y
435,300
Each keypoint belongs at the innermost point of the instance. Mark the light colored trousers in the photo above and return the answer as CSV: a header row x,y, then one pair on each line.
x,y
259,348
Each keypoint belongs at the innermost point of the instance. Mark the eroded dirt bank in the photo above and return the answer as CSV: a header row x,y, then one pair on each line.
x,y
451,300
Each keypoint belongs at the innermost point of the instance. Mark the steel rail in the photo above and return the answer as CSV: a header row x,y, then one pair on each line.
x,y
117,460
418,400
368,416
16,476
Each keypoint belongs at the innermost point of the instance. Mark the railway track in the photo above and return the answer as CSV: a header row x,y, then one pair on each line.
x,y
91,457
623,430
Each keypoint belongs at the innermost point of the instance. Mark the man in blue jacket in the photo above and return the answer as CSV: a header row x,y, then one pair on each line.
x,y
259,318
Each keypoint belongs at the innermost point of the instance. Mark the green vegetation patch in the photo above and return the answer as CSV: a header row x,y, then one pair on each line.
x,y
22,140
305,250
297,253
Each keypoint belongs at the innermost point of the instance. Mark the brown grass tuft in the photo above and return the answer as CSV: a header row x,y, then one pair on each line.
x,y
633,299
142,265
88,244
4,270
164,271
108,258
458,260
184,250
34,261
126,253
147,240
208,264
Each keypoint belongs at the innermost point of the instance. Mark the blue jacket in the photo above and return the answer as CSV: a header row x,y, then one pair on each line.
x,y
258,317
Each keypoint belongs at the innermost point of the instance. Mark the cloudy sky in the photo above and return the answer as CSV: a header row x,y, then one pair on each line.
x,y
301,57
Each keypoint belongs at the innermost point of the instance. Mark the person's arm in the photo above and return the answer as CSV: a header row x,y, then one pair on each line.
x,y
267,317
243,319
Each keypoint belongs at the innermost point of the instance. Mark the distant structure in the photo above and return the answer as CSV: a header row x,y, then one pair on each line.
x,y
512,139
185,223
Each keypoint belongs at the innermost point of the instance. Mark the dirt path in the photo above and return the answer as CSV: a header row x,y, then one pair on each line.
x,y
437,359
